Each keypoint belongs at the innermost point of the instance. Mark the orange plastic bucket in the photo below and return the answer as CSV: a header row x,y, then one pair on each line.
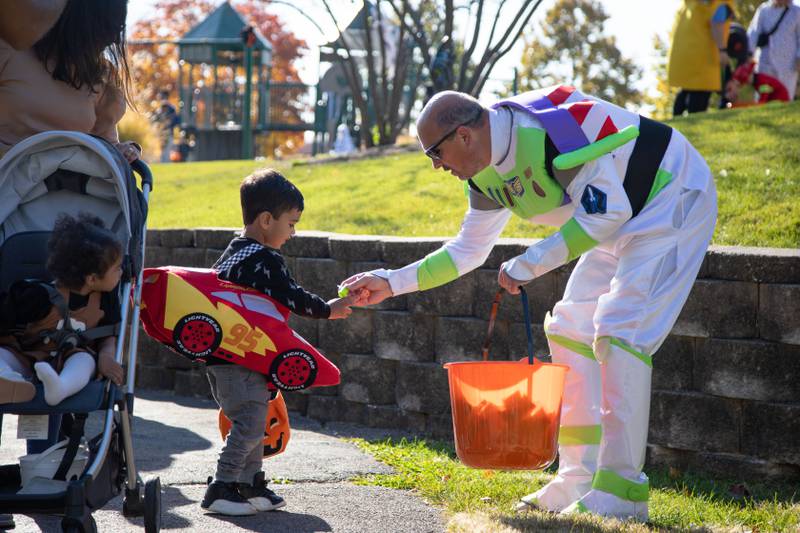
x,y
506,413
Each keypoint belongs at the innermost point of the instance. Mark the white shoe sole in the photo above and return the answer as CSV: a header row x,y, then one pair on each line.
x,y
263,504
231,508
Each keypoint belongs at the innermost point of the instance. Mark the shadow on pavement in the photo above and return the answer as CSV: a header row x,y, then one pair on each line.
x,y
278,521
157,444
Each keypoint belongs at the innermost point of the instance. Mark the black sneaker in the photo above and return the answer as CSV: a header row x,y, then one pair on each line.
x,y
259,496
223,498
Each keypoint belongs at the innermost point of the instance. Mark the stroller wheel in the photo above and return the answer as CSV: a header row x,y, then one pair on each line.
x,y
72,526
152,506
133,503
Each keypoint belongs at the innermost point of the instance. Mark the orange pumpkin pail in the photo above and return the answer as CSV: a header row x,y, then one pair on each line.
x,y
276,430
506,413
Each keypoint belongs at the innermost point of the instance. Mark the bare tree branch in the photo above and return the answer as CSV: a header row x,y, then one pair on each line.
x,y
419,35
462,71
384,76
353,76
492,54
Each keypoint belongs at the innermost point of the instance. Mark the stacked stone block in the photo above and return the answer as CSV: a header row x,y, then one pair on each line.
x,y
726,383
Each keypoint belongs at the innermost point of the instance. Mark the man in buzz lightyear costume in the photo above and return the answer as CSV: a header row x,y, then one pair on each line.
x,y
636,202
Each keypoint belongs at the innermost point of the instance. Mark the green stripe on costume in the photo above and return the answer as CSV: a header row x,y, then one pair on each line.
x,y
662,179
578,435
436,269
574,346
576,238
646,359
593,151
613,483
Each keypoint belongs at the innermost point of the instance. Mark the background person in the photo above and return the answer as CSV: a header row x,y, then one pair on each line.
x,y
74,78
775,32
698,53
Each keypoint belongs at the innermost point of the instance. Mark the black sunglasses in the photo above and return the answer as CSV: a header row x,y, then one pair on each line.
x,y
433,152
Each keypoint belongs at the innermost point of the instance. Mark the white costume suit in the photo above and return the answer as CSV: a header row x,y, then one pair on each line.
x,y
621,301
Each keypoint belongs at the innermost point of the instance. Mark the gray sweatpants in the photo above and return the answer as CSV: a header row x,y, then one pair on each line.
x,y
243,396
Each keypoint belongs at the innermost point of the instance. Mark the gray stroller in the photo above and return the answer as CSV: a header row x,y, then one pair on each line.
x,y
41,177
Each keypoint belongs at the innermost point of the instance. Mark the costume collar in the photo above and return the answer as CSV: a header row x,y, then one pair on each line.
x,y
500,123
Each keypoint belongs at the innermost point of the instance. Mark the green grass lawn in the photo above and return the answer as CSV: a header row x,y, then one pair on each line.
x,y
482,500
752,152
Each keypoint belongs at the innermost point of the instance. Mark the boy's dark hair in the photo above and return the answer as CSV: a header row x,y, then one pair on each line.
x,y
268,190
79,247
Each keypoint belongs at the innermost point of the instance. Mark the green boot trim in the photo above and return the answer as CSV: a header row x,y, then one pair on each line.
x,y
613,483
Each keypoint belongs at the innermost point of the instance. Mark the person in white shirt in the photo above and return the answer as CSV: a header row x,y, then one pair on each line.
x,y
779,56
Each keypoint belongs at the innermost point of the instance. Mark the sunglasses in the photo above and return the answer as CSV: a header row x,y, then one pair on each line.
x,y
434,153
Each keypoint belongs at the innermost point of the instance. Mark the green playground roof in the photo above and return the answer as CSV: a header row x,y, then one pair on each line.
x,y
222,28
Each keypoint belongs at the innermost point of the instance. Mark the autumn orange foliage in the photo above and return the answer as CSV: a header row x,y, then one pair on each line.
x,y
154,67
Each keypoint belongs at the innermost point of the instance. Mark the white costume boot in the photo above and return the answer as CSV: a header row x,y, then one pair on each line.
x,y
579,432
620,489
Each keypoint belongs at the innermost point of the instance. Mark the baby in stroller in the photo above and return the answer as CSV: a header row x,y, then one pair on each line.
x,y
63,330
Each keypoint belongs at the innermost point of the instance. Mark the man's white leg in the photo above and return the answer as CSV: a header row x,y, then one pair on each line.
x,y
570,333
620,489
580,431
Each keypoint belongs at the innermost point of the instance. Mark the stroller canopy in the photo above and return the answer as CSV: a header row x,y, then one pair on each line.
x,y
69,172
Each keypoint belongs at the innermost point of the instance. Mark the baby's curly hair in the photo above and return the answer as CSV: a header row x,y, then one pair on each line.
x,y
79,247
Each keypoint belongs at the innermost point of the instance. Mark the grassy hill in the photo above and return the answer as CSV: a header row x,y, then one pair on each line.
x,y
754,154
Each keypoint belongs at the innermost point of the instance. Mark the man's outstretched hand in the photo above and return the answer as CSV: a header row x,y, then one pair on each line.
x,y
372,289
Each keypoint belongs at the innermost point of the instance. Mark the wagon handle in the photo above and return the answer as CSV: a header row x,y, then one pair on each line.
x,y
526,315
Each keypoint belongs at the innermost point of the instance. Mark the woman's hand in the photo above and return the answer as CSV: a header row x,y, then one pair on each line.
x,y
129,150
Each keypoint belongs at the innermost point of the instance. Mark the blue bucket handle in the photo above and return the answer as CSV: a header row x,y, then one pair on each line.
x,y
526,317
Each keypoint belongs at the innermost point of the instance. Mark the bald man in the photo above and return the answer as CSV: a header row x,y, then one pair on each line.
x,y
635,202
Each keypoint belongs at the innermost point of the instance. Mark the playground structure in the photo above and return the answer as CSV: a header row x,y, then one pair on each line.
x,y
241,104
225,75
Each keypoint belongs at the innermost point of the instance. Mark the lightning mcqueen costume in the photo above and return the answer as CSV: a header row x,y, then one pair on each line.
x,y
637,203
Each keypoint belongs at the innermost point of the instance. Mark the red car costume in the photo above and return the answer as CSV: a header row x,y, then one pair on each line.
x,y
200,316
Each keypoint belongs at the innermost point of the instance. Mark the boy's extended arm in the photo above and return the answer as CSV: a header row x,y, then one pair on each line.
x,y
266,271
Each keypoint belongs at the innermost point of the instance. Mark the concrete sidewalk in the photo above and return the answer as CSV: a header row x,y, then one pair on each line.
x,y
177,439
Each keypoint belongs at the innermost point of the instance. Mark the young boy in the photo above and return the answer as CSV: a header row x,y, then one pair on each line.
x,y
271,206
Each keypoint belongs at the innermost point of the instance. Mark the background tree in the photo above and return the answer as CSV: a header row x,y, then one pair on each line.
x,y
745,9
381,70
572,47
154,67
664,95
474,56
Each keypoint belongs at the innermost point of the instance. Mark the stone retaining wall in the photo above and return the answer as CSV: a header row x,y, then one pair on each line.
x,y
726,383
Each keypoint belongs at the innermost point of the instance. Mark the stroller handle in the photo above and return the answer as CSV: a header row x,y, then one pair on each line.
x,y
141,168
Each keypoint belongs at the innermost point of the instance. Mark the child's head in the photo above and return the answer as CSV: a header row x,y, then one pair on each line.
x,y
83,254
271,206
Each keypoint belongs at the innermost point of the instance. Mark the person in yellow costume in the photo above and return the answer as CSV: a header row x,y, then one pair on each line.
x,y
698,52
